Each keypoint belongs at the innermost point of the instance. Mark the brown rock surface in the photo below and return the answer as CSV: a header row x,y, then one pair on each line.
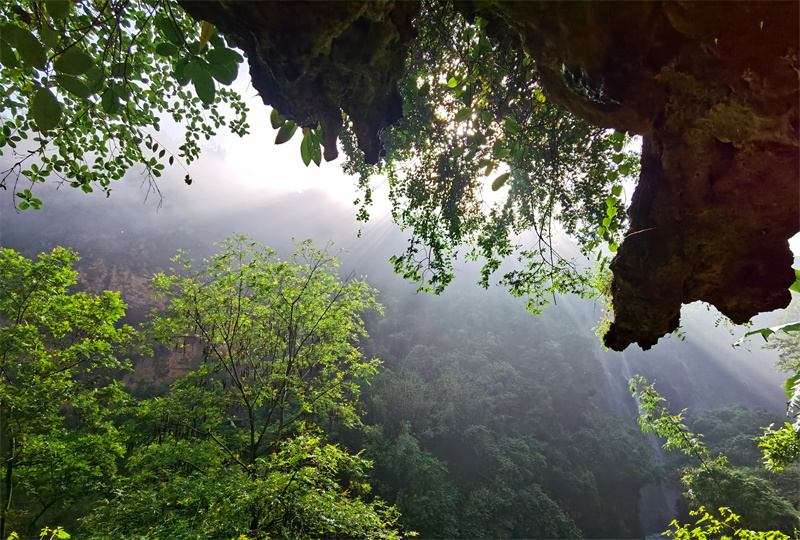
x,y
311,60
712,86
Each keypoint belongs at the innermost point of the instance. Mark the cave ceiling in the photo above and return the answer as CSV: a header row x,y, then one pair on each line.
x,y
711,86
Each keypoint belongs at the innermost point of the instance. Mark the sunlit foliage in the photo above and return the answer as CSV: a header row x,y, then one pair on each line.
x,y
85,86
475,117
57,445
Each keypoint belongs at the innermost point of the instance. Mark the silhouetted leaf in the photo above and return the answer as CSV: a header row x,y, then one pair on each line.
x,y
58,9
204,86
286,132
73,62
46,109
167,49
30,50
73,85
500,181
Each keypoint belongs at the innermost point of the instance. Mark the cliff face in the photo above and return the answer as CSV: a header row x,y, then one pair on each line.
x,y
712,86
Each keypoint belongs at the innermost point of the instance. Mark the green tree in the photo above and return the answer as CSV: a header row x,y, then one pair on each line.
x,y
230,449
84,88
57,348
714,484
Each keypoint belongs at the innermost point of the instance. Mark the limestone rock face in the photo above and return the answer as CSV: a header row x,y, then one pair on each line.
x,y
311,60
712,87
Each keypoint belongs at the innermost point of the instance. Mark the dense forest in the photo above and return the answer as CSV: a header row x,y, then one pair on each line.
x,y
480,421
215,351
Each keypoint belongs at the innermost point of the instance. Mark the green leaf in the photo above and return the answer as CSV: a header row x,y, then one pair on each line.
x,y
790,385
30,50
286,132
616,191
617,158
457,151
46,109
167,49
222,55
204,86
463,114
23,205
500,181
511,126
305,149
224,73
109,101
73,85
7,56
767,332
610,201
453,82
276,119
50,37
179,71
193,68
122,91
58,9
73,62
96,78
169,29
205,34
316,152
796,285
625,168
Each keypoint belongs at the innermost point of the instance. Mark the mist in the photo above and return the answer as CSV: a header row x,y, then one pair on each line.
x,y
266,193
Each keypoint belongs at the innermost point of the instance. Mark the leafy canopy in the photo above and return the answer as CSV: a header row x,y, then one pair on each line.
x,y
232,450
88,84
56,393
474,115
84,86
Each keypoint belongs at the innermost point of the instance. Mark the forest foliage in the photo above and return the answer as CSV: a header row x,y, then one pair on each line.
x,y
493,437
233,448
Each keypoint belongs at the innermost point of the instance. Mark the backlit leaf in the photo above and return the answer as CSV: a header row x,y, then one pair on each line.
x,y
463,114
204,86
796,285
168,28
167,49
512,128
224,73
30,50
276,119
500,181
73,62
305,149
7,56
205,34
46,109
73,85
286,132
58,9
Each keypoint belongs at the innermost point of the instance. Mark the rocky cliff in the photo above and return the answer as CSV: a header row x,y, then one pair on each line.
x,y
712,87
